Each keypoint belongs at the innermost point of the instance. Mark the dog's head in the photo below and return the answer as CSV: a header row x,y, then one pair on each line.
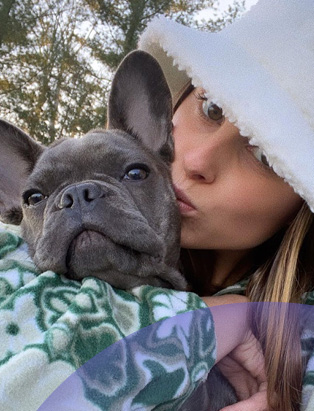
x,y
101,205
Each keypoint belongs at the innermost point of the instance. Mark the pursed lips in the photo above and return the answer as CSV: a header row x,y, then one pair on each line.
x,y
184,203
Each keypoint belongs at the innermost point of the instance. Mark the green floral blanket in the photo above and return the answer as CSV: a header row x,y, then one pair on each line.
x,y
81,346
50,326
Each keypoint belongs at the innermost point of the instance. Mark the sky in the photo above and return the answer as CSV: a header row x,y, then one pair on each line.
x,y
223,5
249,3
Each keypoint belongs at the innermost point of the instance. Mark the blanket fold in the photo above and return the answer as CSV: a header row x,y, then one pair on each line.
x,y
50,326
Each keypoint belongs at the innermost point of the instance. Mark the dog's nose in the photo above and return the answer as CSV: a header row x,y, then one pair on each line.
x,y
79,194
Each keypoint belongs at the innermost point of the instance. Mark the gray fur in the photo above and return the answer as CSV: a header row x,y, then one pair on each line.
x,y
92,221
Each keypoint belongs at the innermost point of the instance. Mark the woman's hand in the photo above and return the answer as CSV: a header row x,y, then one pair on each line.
x,y
239,354
244,368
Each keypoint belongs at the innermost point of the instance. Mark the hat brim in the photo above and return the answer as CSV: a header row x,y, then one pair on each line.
x,y
241,85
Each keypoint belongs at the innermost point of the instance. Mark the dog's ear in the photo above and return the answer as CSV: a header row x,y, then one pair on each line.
x,y
140,103
18,155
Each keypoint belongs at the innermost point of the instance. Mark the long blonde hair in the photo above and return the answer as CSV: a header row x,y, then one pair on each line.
x,y
284,278
281,278
284,274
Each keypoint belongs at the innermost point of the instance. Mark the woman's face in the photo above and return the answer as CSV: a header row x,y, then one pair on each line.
x,y
228,196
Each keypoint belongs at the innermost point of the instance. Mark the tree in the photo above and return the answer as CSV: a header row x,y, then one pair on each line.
x,y
125,20
57,57
16,19
47,80
222,18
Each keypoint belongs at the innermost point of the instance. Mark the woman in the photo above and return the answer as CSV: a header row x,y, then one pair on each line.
x,y
70,320
243,171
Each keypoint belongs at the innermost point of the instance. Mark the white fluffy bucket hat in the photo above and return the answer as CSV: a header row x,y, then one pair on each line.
x,y
260,70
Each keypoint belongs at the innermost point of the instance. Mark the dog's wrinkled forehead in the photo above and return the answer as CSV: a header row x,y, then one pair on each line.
x,y
97,153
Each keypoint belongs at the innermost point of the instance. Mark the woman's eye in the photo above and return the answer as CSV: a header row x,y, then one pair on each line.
x,y
136,174
212,111
259,155
34,198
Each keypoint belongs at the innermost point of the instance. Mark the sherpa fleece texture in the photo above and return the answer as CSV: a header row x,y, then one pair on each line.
x,y
260,71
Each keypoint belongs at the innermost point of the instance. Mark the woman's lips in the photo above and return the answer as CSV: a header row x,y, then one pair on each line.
x,y
184,203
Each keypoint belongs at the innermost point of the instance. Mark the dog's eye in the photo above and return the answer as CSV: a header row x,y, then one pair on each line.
x,y
136,173
33,197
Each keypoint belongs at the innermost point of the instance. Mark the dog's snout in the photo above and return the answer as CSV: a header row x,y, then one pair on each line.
x,y
79,194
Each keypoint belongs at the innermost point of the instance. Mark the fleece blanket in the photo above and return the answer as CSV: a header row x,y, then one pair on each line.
x,y
51,326
71,345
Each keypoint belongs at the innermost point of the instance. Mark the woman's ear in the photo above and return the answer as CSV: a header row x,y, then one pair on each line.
x,y
140,103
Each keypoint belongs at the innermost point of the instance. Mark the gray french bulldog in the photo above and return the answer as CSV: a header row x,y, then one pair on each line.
x,y
103,205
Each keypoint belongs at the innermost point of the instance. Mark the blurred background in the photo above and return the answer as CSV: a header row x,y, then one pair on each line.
x,y
57,57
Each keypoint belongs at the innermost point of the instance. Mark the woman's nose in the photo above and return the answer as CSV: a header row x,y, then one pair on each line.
x,y
211,155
